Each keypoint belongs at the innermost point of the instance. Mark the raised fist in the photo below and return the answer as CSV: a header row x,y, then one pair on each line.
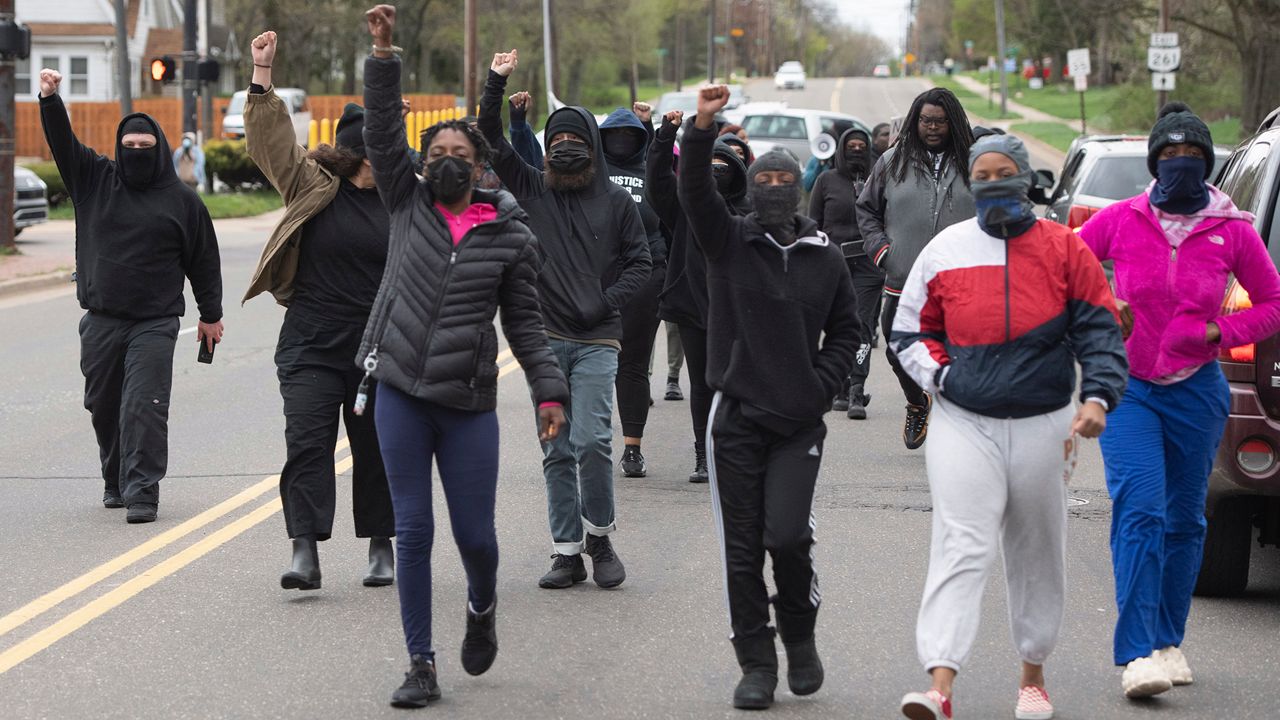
x,y
712,99
505,63
263,48
644,111
521,101
381,19
675,117
405,108
49,82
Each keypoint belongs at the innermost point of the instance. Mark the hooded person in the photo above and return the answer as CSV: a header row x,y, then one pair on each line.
x,y
139,233
625,136
831,205
1000,358
782,329
323,262
596,258
739,146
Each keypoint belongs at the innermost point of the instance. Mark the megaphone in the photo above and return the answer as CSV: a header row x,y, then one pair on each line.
x,y
823,146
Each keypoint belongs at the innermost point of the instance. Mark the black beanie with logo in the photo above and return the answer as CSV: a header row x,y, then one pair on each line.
x,y
350,130
1177,124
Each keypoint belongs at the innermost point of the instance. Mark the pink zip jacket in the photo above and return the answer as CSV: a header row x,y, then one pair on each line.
x,y
1175,291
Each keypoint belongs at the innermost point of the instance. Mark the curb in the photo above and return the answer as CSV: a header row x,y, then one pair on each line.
x,y
33,283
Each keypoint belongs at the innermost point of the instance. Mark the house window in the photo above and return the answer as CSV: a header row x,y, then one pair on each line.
x,y
22,78
79,76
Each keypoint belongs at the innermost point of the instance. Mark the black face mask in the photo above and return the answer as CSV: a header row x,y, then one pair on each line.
x,y
450,178
620,144
856,160
569,156
775,205
724,178
138,166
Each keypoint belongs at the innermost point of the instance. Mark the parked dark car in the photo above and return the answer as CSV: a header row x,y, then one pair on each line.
x,y
30,200
1244,487
1100,170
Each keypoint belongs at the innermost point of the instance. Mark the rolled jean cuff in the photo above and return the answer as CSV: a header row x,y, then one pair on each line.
x,y
567,548
597,530
929,666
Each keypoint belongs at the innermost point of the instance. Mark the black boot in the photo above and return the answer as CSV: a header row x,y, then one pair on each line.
x,y
382,563
480,645
857,409
111,498
420,686
700,474
304,574
758,658
804,667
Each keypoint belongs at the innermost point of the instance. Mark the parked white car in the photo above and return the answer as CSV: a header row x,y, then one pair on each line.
x,y
295,99
795,130
789,76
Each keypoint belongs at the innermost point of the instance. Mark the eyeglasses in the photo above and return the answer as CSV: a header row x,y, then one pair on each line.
x,y
933,122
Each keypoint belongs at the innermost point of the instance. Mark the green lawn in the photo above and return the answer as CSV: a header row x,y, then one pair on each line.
x,y
1226,132
975,105
221,205
1053,133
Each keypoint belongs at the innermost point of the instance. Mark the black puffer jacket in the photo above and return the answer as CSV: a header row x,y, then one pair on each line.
x,y
431,331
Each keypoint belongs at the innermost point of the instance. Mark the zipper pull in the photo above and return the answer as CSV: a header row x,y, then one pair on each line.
x,y
362,392
453,258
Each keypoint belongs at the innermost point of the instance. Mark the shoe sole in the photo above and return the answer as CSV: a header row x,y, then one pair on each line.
x,y
1033,715
673,398
635,474
699,479
480,670
921,710
140,519
414,704
377,581
545,585
1147,689
293,582
753,705
113,504
610,585
859,414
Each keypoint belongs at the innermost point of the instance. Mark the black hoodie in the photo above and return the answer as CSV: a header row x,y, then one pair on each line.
x,y
135,240
630,174
595,252
782,324
831,203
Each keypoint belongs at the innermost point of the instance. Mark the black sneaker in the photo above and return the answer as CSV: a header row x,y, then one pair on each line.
x,y
916,426
480,646
700,474
420,686
606,568
858,402
565,571
633,462
141,513
841,402
673,390
112,500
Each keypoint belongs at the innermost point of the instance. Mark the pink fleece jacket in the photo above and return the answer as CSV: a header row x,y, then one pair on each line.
x,y
1175,291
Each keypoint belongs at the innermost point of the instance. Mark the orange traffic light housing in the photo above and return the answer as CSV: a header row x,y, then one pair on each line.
x,y
163,69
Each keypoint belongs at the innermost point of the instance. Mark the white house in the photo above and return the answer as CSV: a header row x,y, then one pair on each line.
x,y
78,38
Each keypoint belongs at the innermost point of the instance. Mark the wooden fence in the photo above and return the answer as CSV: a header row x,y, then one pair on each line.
x,y
95,123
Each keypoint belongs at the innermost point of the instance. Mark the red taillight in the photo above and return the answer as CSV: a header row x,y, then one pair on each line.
x,y
1079,214
1237,299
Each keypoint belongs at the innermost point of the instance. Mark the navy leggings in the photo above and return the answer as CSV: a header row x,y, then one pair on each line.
x,y
464,445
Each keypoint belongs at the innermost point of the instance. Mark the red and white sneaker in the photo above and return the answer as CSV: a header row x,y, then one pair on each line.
x,y
1033,704
930,705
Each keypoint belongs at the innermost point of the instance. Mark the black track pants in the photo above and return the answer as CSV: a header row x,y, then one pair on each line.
x,y
639,330
912,391
694,342
868,287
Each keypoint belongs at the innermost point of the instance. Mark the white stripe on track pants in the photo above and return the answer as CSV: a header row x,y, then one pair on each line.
x,y
995,483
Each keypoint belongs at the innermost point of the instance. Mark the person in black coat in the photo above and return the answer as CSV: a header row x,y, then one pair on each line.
x,y
782,328
457,257
831,205
596,258
139,231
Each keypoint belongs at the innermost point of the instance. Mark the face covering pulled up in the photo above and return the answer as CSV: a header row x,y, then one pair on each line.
x,y
569,156
1180,188
1004,209
450,178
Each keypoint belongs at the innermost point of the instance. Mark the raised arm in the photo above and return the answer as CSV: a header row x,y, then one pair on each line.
x,y
76,162
523,138
522,179
384,140
707,214
661,184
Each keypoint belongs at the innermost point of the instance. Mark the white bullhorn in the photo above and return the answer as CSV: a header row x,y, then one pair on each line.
x,y
823,146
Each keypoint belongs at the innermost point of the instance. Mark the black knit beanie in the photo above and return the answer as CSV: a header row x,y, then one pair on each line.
x,y
1177,124
777,160
350,131
568,120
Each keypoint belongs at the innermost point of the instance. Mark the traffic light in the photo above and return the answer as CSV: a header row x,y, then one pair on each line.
x,y
208,70
164,69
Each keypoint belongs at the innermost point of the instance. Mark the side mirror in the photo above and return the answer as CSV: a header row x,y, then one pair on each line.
x,y
1041,187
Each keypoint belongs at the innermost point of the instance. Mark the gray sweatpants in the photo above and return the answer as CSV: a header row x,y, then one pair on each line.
x,y
995,483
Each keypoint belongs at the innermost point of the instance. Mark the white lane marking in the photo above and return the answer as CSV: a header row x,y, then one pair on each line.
x,y
188,331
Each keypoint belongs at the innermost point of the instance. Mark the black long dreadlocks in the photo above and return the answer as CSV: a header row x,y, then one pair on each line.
x,y
483,151
911,149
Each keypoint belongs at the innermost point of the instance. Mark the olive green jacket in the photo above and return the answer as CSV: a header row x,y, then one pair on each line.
x,y
304,186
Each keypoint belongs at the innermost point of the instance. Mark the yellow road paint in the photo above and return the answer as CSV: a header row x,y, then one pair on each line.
x,y
835,95
508,369
504,356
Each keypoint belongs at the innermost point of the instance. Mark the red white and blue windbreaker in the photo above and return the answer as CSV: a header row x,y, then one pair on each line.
x,y
996,326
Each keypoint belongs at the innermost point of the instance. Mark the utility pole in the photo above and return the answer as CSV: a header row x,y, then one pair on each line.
x,y
469,49
124,73
711,41
190,23
7,87
1000,50
1162,96
679,59
206,88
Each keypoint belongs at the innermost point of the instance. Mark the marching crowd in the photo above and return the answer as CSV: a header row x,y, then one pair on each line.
x,y
394,261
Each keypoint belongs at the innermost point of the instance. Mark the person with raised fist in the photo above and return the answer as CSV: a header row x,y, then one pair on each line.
x,y
324,262
782,328
139,232
596,258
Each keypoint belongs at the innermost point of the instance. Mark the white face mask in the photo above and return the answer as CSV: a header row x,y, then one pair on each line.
x,y
186,142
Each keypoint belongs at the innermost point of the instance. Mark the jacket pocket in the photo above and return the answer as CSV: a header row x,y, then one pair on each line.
x,y
484,363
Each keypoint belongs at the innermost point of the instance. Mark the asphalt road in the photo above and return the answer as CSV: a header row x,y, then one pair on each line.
x,y
184,618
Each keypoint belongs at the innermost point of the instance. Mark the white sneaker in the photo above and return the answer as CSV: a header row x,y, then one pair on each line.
x,y
1175,664
1145,677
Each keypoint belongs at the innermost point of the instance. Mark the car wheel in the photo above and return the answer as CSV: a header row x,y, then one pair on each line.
x,y
1224,571
18,231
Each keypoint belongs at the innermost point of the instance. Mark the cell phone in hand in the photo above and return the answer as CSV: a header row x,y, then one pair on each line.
x,y
206,355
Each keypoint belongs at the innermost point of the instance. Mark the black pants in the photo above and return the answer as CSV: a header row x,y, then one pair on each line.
x,y
694,342
868,287
912,391
128,375
639,330
315,362
762,485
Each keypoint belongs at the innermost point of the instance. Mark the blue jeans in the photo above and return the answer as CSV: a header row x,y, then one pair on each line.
x,y
578,464
464,446
1158,450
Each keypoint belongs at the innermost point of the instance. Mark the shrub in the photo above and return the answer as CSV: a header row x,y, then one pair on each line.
x,y
48,172
229,160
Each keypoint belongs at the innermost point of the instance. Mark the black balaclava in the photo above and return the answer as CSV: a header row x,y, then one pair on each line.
x,y
350,130
775,205
143,167
622,143
568,156
852,163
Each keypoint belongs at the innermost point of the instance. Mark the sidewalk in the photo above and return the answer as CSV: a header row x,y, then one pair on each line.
x,y
1041,151
46,259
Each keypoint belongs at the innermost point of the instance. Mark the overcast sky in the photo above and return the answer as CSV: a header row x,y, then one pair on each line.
x,y
885,18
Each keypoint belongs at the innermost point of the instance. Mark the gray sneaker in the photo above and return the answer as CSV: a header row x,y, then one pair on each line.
x,y
565,571
606,568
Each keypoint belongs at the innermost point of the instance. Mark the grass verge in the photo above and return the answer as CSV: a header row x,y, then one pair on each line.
x,y
221,205
974,104
1053,133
